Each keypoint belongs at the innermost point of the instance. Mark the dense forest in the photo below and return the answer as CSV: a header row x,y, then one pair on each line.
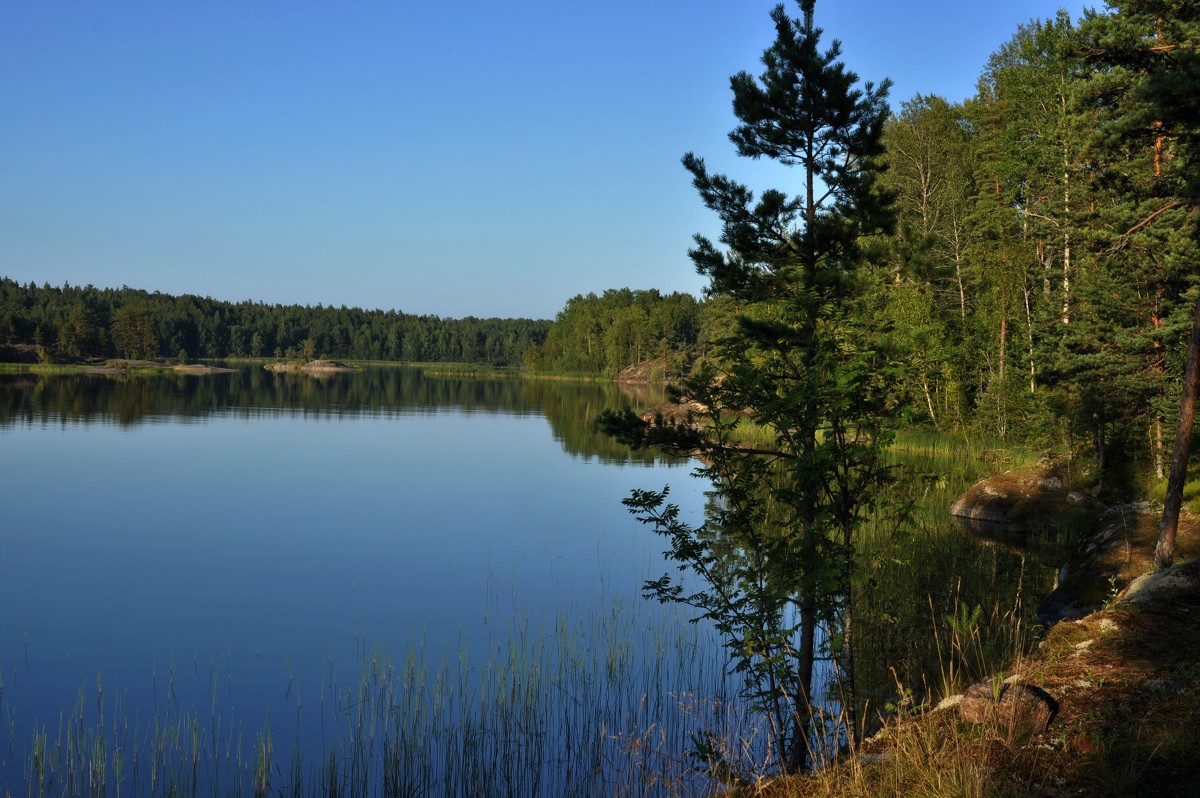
x,y
74,323
1040,278
1021,265
1044,258
607,333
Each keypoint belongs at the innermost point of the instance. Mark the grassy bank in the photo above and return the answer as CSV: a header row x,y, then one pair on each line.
x,y
124,367
1124,681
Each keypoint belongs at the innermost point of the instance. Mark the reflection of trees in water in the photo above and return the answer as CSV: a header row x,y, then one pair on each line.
x,y
572,409
569,407
934,610
641,394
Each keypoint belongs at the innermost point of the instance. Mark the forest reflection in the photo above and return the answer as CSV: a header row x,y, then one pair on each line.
x,y
252,391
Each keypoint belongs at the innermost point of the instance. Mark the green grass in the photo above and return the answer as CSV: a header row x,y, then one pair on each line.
x,y
955,451
935,609
1191,490
40,369
996,455
567,376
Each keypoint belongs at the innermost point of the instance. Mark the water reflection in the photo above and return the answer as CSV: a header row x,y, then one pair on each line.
x,y
233,524
245,553
936,610
251,391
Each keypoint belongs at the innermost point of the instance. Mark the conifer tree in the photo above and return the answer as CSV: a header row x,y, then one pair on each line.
x,y
776,556
1148,56
1024,224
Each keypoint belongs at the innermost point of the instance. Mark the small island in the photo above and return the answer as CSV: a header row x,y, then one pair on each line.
x,y
318,367
126,367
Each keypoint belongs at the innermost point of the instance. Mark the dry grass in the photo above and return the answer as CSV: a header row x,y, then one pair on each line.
x,y
1127,683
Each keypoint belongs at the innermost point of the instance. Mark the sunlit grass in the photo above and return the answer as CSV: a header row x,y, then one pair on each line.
x,y
995,454
1191,490
40,369
57,369
952,450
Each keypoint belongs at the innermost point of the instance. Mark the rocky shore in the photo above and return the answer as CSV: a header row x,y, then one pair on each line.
x,y
317,367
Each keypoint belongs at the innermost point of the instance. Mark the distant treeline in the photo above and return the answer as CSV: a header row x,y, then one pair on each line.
x,y
621,327
74,323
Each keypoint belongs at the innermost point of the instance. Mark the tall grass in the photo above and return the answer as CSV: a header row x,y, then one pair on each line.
x,y
963,452
951,451
44,369
606,702
938,610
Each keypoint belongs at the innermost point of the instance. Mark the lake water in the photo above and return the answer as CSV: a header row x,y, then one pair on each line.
x,y
242,550
397,582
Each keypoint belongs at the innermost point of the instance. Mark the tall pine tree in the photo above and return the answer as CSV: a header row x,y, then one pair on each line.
x,y
1148,56
776,556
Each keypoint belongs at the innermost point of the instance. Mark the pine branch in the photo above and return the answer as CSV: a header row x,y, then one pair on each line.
x,y
1170,48
1054,222
1123,239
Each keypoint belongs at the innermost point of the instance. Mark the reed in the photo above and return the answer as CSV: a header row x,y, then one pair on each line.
x,y
601,702
935,609
618,698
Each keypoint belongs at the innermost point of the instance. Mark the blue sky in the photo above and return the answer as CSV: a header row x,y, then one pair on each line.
x,y
470,158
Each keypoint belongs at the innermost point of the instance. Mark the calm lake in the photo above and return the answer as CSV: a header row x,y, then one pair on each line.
x,y
260,537
400,581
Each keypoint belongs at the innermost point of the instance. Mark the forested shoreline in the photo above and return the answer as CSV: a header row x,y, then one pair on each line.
x,y
1021,265
1040,278
1042,272
1015,272
74,323
606,334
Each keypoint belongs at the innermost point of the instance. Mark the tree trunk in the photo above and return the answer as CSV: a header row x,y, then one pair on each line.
x,y
1029,335
1002,390
1159,368
799,757
1164,552
962,294
1066,306
1066,228
1044,260
1156,446
929,404
849,691
1003,344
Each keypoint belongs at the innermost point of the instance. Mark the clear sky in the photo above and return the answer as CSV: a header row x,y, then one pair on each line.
x,y
467,158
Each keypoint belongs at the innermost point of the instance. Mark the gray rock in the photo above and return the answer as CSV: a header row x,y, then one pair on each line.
x,y
1145,588
1022,710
